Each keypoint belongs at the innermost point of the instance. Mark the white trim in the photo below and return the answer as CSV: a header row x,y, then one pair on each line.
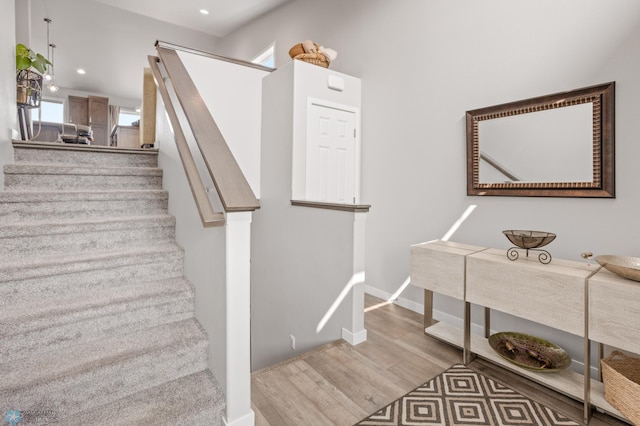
x,y
419,308
247,420
354,338
405,303
238,329
355,332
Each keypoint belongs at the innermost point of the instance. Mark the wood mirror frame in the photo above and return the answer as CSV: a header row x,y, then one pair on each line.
x,y
602,184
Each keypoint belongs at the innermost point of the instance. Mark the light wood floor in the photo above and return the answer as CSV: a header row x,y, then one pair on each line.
x,y
340,384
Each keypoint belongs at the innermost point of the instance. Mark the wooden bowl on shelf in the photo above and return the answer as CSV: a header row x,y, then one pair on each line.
x,y
624,266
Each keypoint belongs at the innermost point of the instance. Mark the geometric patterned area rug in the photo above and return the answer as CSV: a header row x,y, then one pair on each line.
x,y
460,396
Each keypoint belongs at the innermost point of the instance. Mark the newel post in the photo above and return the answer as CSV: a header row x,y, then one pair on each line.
x,y
355,333
238,263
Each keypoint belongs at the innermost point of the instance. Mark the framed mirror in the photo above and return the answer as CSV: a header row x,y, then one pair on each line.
x,y
559,145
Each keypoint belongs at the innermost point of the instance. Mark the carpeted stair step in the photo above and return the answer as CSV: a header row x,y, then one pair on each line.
x,y
96,318
71,206
194,400
57,153
46,324
43,177
87,376
28,278
51,238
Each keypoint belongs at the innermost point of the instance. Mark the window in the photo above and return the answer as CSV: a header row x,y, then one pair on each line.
x,y
267,57
126,118
51,111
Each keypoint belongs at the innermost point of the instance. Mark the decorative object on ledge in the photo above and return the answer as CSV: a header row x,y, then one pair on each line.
x,y
624,266
311,52
529,240
532,353
621,378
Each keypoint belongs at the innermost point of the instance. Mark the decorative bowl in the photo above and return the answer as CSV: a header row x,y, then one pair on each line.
x,y
529,239
532,353
624,266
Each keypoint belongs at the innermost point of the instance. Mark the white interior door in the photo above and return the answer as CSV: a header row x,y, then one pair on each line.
x,y
331,154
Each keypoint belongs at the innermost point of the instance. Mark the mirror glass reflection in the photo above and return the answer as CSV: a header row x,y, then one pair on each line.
x,y
544,146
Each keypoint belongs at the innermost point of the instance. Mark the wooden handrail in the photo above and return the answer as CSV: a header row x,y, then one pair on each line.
x,y
207,215
232,186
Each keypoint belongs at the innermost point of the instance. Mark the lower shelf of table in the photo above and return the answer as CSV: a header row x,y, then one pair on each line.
x,y
567,382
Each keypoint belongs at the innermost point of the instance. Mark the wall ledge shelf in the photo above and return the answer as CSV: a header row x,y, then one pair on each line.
x,y
87,148
356,208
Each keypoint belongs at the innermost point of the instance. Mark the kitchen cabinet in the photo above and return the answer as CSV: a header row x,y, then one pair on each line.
x,y
91,111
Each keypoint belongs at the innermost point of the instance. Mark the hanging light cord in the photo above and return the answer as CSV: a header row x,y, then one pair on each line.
x,y
48,21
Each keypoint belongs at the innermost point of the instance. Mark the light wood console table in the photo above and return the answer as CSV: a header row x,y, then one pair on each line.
x,y
576,297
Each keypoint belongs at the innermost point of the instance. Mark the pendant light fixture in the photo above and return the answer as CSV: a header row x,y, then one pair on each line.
x,y
48,75
51,84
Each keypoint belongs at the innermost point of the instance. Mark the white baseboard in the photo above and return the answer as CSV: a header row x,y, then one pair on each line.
x,y
405,303
413,306
354,338
246,420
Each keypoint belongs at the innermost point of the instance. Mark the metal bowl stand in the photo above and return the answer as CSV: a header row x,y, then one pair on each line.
x,y
544,257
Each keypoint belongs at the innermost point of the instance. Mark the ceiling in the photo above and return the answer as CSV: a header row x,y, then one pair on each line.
x,y
224,15
111,39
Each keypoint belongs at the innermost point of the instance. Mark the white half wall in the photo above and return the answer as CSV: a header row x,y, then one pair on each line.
x,y
233,95
204,248
300,264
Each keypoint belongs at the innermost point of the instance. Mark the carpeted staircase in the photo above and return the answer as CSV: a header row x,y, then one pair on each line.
x,y
97,321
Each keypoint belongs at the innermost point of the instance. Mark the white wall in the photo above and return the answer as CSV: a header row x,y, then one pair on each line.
x,y
423,64
233,95
301,258
8,113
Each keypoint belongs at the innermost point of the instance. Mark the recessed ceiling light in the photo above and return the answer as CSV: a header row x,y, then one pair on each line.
x,y
81,71
204,11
